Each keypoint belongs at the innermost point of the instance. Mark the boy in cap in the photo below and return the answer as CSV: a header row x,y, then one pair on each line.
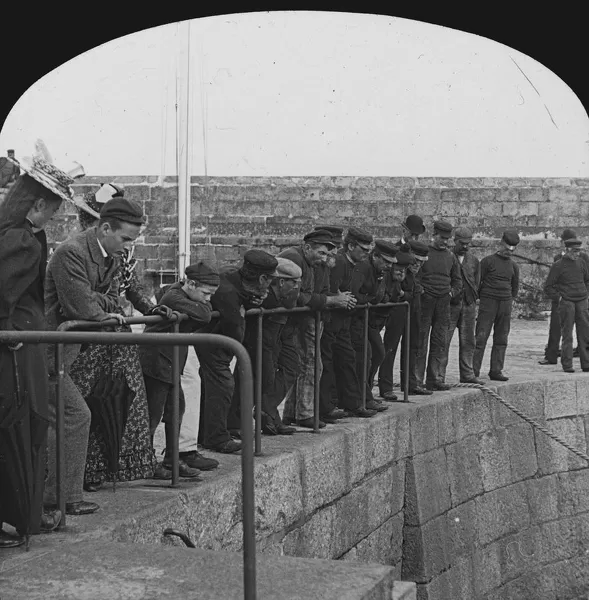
x,y
239,290
463,307
279,358
499,285
81,284
369,286
395,332
192,297
552,350
441,281
311,256
567,284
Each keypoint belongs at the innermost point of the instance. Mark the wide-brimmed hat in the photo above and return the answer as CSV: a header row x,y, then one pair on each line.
x,y
41,169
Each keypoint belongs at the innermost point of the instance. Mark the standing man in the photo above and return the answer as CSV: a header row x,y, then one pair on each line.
x,y
9,169
463,307
369,287
441,281
239,290
498,287
311,257
81,285
413,227
551,352
567,285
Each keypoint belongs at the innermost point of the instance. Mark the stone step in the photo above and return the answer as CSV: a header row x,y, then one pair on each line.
x,y
94,570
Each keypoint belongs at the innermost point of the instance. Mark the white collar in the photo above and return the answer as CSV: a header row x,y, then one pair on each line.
x,y
104,253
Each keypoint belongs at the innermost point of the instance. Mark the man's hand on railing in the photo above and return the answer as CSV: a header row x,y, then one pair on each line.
x,y
15,347
120,318
342,300
163,311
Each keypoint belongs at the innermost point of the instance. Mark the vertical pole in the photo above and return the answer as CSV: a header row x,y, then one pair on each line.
x,y
59,433
317,377
365,357
407,350
176,411
247,474
258,380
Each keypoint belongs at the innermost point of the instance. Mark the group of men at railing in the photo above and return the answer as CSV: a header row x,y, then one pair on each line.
x,y
324,279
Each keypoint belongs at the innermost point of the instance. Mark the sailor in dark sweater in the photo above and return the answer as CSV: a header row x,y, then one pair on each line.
x,y
567,284
339,379
498,287
551,351
441,281
464,306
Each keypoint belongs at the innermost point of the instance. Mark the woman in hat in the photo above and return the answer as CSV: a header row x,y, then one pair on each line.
x,y
29,204
137,459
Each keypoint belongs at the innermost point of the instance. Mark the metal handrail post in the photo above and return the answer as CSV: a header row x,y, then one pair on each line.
x,y
247,469
59,434
317,375
175,449
407,350
258,381
365,356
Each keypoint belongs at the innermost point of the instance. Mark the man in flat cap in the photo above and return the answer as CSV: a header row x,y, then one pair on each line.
x,y
311,256
339,385
498,287
552,349
336,235
192,296
463,306
567,284
279,357
441,281
239,290
369,286
80,284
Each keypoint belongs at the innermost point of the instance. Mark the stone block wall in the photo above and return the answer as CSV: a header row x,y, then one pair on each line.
x,y
231,214
457,494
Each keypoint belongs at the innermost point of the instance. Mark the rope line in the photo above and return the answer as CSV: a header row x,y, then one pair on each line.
x,y
523,416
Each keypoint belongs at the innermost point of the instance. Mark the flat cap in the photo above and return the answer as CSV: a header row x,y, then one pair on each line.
x,y
404,259
463,233
259,261
356,234
203,272
415,224
443,228
336,232
568,234
287,269
511,238
419,249
123,209
387,250
572,242
320,236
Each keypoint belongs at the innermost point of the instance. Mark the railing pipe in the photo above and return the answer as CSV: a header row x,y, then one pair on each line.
x,y
258,382
176,412
59,433
365,356
407,350
317,374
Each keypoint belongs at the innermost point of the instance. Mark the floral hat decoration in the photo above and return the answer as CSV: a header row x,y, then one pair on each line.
x,y
41,168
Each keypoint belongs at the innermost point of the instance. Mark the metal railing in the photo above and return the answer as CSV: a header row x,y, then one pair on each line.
x,y
250,435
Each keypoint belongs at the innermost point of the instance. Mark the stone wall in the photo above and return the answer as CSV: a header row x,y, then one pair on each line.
x,y
231,214
457,494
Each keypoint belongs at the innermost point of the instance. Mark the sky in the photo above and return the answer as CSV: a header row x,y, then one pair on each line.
x,y
308,94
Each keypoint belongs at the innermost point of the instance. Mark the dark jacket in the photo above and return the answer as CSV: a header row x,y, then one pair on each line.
x,y
499,277
368,286
568,279
156,361
440,275
80,284
340,280
470,270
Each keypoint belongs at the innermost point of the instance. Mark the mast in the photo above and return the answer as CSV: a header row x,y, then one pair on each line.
x,y
184,146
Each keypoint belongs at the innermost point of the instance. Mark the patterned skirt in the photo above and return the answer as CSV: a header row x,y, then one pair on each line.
x,y
137,458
